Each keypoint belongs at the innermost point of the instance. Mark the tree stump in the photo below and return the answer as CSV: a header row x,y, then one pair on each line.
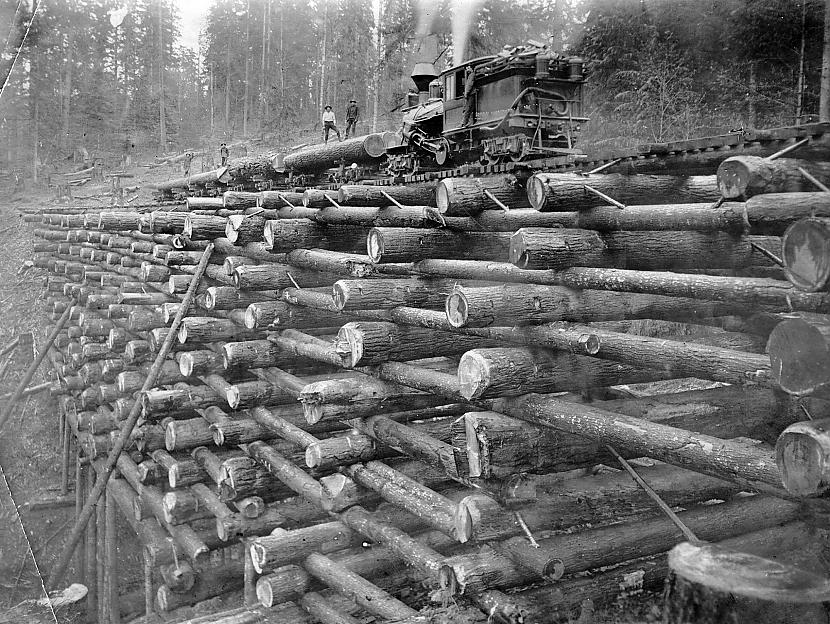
x,y
708,584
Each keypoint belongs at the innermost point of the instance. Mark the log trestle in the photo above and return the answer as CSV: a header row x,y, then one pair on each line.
x,y
379,386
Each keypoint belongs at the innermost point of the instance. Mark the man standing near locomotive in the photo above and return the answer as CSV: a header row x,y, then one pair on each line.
x,y
329,124
469,97
352,114
224,153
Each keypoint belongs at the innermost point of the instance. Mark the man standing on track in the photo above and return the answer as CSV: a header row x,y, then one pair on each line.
x,y
352,114
329,124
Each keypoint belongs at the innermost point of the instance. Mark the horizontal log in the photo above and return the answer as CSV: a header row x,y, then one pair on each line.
x,y
364,150
376,196
744,176
369,343
541,248
734,461
497,445
566,191
412,244
515,305
610,545
274,276
470,196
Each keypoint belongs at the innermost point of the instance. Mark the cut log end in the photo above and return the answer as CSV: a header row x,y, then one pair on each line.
x,y
741,574
170,438
473,375
536,193
340,294
374,245
799,357
218,435
733,178
802,453
258,554
517,253
264,593
457,309
443,192
805,249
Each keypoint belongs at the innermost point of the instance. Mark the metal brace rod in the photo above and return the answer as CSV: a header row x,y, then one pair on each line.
x,y
333,203
687,532
390,198
282,197
813,180
788,149
496,200
603,196
767,253
603,167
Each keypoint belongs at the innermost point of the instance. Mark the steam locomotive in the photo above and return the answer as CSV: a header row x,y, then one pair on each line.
x,y
520,104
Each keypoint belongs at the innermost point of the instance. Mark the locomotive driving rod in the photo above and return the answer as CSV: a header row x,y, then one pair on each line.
x,y
103,477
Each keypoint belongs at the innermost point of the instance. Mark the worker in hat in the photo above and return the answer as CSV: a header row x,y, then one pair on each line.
x,y
329,124
352,114
224,153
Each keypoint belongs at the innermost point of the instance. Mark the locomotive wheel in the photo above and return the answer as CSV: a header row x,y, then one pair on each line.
x,y
520,154
442,156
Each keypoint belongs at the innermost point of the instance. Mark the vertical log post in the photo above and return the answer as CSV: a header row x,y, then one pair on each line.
x,y
127,429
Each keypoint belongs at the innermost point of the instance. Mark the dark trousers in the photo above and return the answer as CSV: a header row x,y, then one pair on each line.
x,y
329,125
351,124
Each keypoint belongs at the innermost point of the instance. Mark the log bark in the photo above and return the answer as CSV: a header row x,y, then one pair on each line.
x,y
734,461
369,343
230,297
494,372
469,196
805,250
412,244
373,196
708,584
242,230
674,356
274,276
203,227
284,235
253,354
610,545
274,200
196,329
366,594
194,363
364,150
203,203
199,179
744,176
515,305
541,248
187,434
237,200
384,294
566,191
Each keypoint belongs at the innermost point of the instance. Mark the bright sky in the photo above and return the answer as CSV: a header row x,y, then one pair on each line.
x,y
192,14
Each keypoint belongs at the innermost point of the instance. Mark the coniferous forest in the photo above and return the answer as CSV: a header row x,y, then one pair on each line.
x,y
110,77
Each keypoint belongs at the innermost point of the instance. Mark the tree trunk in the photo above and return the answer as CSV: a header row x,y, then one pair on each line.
x,y
566,191
708,583
486,373
498,446
410,245
724,459
363,150
368,343
746,176
384,294
541,248
585,550
517,305
470,196
375,196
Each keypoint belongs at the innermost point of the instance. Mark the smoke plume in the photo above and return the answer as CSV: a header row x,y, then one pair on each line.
x,y
463,17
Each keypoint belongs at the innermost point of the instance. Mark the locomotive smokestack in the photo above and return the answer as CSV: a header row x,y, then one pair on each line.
x,y
424,71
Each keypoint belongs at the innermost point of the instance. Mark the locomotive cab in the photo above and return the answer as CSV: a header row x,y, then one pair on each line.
x,y
521,103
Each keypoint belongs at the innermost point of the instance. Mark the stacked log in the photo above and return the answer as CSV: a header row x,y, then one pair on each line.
x,y
388,386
